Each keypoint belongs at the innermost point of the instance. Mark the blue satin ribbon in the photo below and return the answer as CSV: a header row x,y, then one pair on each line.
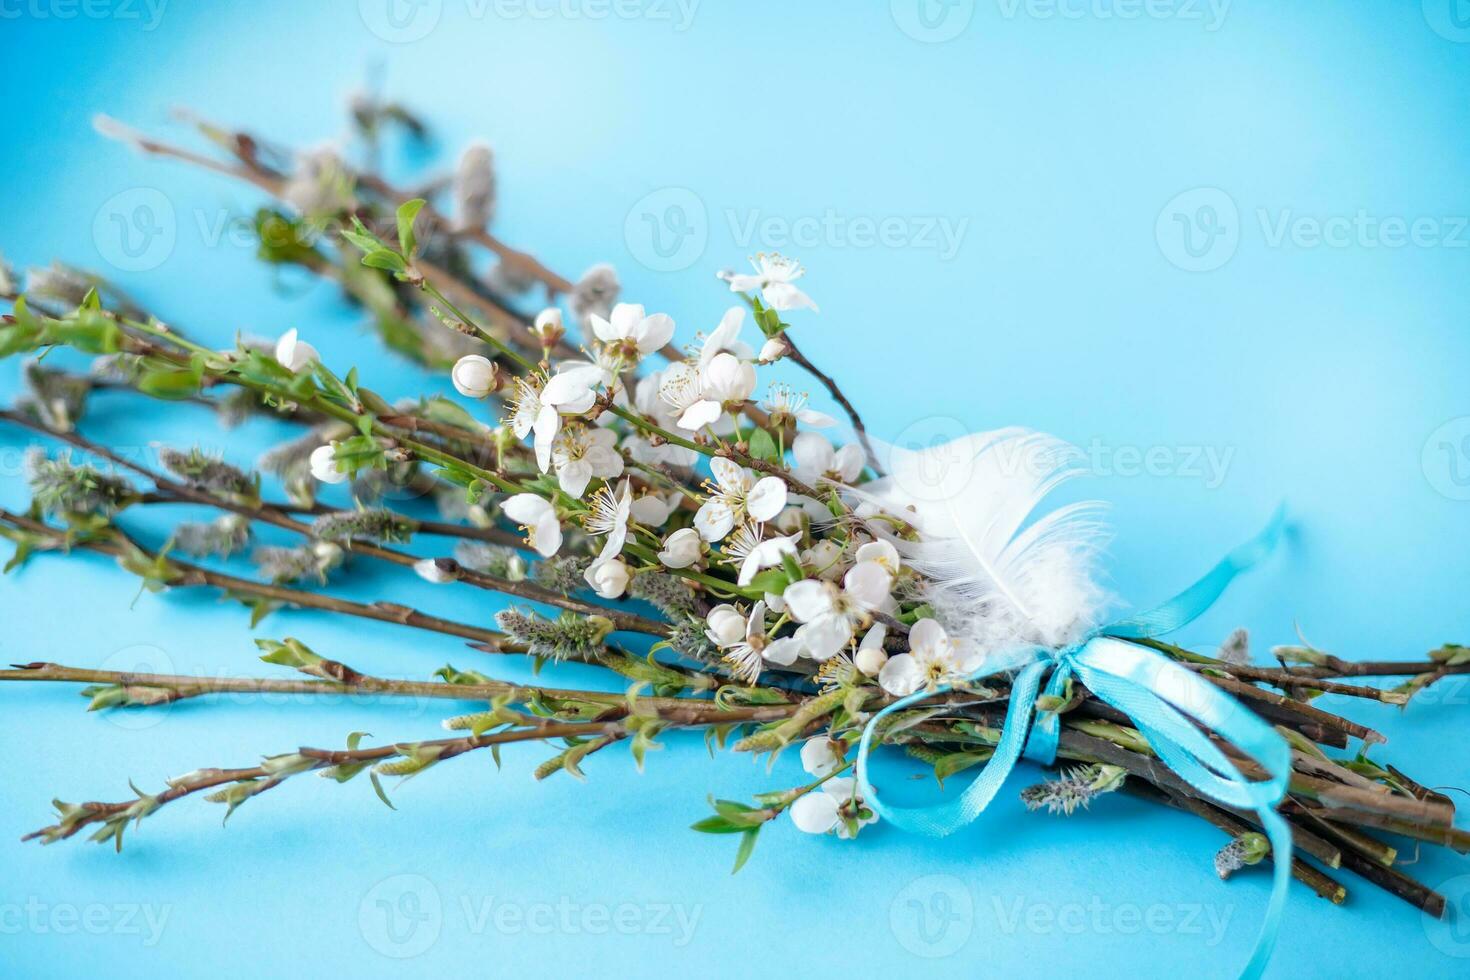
x,y
1160,697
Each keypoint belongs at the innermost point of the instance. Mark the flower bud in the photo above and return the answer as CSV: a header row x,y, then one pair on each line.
x,y
726,626
870,660
773,350
475,376
548,327
323,463
681,549
609,579
437,570
294,354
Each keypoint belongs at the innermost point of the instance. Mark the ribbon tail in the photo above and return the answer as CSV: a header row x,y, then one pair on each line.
x,y
1188,605
1279,834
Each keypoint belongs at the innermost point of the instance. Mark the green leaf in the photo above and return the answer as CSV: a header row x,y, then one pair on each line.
x,y
762,446
747,845
381,258
407,211
382,794
169,384
716,825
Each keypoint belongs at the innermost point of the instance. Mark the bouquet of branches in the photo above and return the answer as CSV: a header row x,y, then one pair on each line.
x,y
647,511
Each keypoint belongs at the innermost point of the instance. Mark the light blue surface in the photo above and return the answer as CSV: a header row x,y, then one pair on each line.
x,y
1329,374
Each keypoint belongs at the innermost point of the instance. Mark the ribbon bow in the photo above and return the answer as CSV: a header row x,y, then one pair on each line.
x,y
1160,697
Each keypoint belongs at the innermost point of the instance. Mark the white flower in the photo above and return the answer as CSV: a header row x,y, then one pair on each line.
x,y
816,459
609,515
432,570
882,552
682,390
609,579
825,556
785,404
681,549
772,350
822,755
323,463
766,554
725,625
774,275
533,413
475,376
725,338
294,354
744,641
821,811
580,454
548,327
727,379
831,615
538,518
933,659
736,495
633,332
870,654
652,510
573,388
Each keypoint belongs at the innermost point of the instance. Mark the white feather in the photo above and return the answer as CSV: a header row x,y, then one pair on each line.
x,y
997,578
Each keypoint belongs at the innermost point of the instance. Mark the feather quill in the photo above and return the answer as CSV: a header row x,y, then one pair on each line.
x,y
998,575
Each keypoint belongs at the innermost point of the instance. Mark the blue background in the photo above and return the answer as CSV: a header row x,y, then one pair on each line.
x,y
1331,375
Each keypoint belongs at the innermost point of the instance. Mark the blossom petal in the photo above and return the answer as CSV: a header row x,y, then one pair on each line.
x,y
546,537
784,296
603,329
527,509
824,636
808,599
713,520
869,583
700,414
729,475
901,675
547,422
574,477
653,332
782,652
815,419
815,813
744,282
766,499
812,452
927,634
